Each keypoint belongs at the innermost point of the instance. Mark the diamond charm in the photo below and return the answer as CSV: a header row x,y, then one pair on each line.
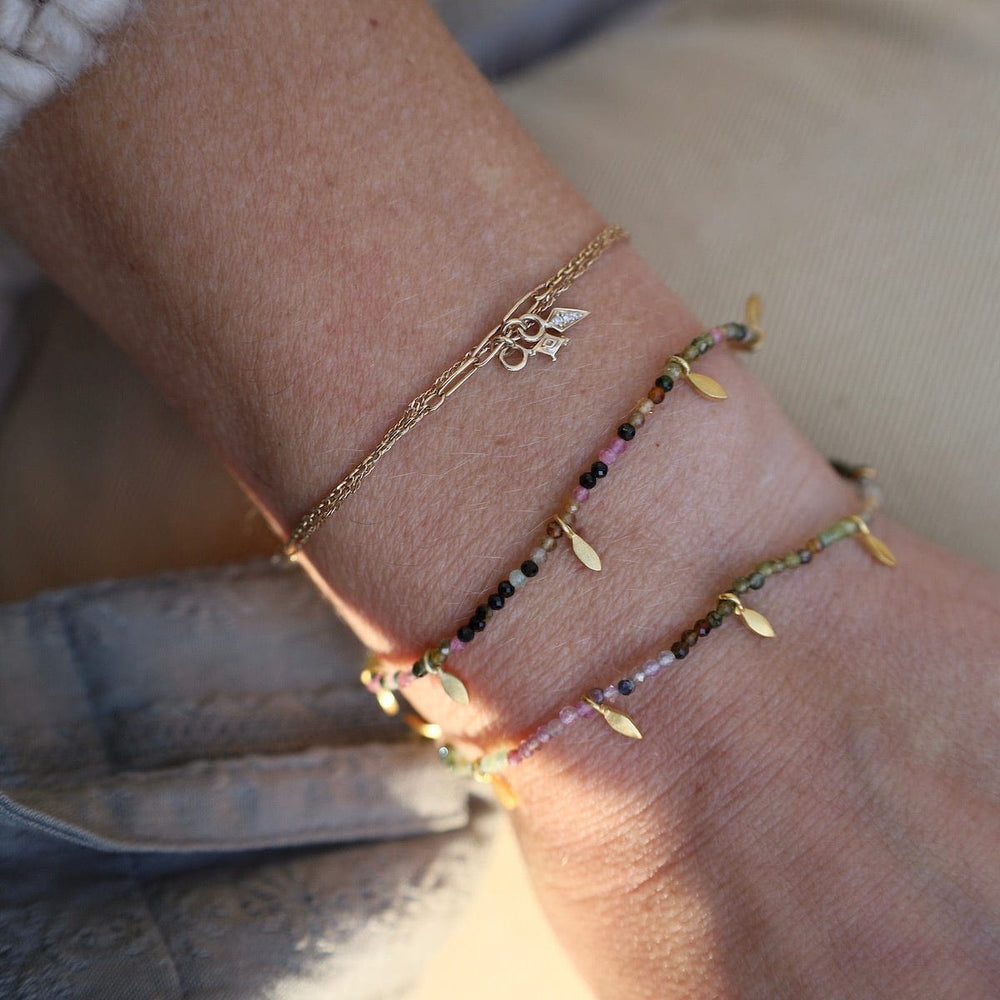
x,y
563,319
550,344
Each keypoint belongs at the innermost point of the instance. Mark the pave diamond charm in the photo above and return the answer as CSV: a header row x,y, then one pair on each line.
x,y
563,319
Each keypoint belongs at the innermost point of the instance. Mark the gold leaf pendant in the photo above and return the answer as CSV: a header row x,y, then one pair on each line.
x,y
753,620
707,386
503,791
428,730
387,702
878,549
453,687
704,384
582,549
618,721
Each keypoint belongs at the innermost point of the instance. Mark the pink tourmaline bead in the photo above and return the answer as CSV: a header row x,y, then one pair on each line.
x,y
514,758
542,734
607,456
580,494
405,680
555,728
567,715
534,744
618,445
611,691
651,669
456,644
718,334
584,711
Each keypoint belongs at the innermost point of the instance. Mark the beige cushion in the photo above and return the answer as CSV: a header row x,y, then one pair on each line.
x,y
844,160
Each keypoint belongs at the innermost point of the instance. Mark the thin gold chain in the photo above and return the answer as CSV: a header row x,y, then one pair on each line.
x,y
513,340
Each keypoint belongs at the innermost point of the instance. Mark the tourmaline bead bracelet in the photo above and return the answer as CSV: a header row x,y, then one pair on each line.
x,y
603,701
563,525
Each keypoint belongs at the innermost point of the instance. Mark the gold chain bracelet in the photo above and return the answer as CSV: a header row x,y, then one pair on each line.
x,y
517,337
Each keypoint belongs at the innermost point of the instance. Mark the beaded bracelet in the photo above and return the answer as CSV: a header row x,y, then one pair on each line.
x,y
597,702
383,682
512,341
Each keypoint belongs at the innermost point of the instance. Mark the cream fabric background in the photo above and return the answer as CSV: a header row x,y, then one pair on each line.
x,y
843,158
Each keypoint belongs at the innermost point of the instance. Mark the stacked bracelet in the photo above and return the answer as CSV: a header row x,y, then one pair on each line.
x,y
600,701
517,337
382,682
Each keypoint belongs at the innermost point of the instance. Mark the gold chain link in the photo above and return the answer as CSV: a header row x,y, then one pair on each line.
x,y
507,336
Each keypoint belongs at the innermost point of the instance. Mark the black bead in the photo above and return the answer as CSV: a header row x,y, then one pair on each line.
x,y
465,634
756,580
588,480
599,470
420,668
477,624
680,650
805,555
665,382
625,686
496,602
529,568
481,612
506,589
626,432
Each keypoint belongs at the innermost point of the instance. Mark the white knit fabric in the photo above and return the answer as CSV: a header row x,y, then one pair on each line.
x,y
45,44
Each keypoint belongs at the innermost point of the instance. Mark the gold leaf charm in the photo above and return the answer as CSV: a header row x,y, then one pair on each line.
x,y
875,546
756,622
754,311
704,384
707,386
453,687
582,549
504,793
618,721
387,702
753,620
879,550
429,730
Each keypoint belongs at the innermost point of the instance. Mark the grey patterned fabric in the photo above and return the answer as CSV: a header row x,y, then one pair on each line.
x,y
192,782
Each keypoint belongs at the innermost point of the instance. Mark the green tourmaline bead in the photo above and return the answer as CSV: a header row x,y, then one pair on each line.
x,y
690,353
831,535
725,608
673,371
493,762
764,569
703,343
735,331
792,560
756,581
714,619
850,527
777,566
740,585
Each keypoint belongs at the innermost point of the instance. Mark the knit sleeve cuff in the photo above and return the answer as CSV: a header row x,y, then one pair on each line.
x,y
45,45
